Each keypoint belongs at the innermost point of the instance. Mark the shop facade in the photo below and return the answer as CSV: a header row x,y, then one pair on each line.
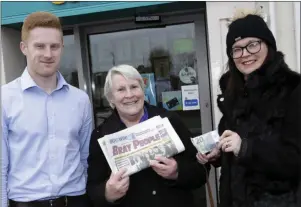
x,y
176,46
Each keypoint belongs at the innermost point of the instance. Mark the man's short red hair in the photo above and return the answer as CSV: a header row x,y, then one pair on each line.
x,y
40,19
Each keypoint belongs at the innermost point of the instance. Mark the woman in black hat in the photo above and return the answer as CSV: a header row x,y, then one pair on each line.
x,y
259,158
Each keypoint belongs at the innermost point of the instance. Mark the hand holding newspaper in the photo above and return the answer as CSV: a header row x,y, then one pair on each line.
x,y
206,142
133,147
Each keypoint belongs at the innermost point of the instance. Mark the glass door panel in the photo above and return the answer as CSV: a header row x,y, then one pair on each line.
x,y
166,58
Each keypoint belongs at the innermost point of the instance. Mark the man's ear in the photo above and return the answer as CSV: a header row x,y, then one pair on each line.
x,y
23,48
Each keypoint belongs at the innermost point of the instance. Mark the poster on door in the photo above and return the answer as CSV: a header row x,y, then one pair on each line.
x,y
190,97
150,90
172,100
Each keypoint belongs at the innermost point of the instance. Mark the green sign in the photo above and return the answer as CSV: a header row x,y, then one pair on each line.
x,y
184,45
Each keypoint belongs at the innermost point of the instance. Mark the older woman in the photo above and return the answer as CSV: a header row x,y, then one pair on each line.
x,y
259,148
169,181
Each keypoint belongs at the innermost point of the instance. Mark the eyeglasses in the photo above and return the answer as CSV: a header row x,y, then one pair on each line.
x,y
252,48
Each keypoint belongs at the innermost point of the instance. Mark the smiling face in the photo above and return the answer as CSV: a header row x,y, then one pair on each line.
x,y
127,96
43,49
250,60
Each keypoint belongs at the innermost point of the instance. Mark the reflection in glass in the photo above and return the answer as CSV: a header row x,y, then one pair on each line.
x,y
68,63
167,54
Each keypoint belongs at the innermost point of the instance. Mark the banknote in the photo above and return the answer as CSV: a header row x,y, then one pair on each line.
x,y
206,142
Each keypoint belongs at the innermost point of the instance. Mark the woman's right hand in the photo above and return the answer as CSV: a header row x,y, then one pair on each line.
x,y
117,186
211,157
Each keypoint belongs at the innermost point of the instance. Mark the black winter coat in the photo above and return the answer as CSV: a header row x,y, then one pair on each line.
x,y
295,116
268,161
146,188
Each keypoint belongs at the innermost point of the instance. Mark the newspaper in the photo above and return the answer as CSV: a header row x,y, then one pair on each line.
x,y
134,147
206,142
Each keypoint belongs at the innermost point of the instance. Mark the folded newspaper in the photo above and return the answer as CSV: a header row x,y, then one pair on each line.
x,y
134,147
206,142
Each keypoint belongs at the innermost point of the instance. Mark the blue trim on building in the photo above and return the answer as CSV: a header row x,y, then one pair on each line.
x,y
16,12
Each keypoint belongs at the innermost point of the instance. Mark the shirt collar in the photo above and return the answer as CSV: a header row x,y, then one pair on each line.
x,y
61,81
28,82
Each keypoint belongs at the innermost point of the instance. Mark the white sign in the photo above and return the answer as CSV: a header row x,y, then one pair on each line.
x,y
190,97
187,75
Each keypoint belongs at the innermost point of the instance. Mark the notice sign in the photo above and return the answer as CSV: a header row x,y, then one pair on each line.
x,y
190,97
145,19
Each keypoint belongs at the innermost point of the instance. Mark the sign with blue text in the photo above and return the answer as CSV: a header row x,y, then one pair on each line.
x,y
190,97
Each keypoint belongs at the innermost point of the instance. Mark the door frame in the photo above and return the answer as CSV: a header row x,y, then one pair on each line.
x,y
196,16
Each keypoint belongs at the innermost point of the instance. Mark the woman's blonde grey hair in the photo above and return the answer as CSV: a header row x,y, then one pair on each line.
x,y
127,71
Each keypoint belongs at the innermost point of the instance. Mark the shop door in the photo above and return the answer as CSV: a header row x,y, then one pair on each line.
x,y
172,58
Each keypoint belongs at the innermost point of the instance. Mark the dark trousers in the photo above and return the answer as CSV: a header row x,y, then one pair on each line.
x,y
65,201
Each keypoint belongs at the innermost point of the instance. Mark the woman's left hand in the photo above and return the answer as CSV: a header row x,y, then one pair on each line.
x,y
230,142
165,167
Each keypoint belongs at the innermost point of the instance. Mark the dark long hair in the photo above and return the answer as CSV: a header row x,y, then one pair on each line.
x,y
236,80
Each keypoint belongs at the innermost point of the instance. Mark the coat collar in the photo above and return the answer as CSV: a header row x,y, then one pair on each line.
x,y
114,119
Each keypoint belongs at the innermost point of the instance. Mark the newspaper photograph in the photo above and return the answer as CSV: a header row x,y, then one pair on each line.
x,y
206,142
134,147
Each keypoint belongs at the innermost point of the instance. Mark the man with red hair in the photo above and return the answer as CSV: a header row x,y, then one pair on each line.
x,y
46,125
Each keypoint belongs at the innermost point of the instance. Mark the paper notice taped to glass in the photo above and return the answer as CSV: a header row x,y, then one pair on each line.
x,y
206,142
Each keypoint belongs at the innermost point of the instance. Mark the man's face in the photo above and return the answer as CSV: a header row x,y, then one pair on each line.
x,y
43,49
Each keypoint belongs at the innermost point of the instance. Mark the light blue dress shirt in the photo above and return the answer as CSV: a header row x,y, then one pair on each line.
x,y
45,140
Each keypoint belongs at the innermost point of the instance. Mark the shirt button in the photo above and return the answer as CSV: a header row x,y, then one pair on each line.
x,y
154,192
